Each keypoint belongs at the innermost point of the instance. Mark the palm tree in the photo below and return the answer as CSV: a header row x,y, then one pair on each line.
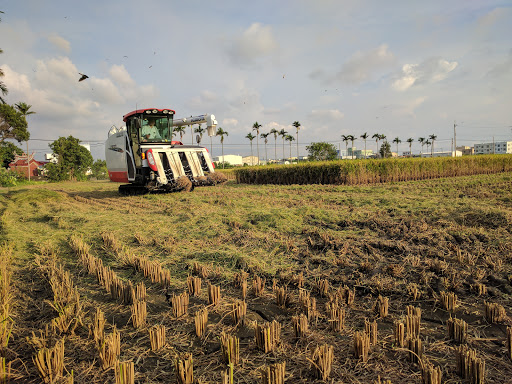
x,y
410,140
256,127
275,132
376,136
433,138
296,124
290,138
422,142
222,133
200,130
346,139
364,136
251,137
265,137
397,141
283,133
24,109
180,130
427,143
352,139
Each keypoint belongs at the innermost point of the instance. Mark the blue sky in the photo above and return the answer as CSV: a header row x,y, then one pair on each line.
x,y
399,68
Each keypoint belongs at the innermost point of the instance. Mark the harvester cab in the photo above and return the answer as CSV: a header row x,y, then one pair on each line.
x,y
144,155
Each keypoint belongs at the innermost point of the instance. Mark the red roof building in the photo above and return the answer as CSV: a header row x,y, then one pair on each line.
x,y
19,165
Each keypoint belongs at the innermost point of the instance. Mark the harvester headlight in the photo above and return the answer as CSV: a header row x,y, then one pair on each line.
x,y
151,160
155,110
165,111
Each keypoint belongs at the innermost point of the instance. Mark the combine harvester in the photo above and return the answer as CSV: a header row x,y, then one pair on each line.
x,y
144,155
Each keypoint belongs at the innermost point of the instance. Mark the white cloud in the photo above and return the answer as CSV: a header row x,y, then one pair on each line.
x,y
121,76
230,122
60,42
16,81
408,108
430,71
256,42
330,114
274,125
362,66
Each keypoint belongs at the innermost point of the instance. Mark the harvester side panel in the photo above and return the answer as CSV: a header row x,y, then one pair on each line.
x,y
121,167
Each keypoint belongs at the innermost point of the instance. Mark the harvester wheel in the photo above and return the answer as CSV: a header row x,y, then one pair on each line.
x,y
130,190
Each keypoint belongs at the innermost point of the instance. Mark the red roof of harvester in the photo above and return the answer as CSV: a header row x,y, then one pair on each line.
x,y
138,111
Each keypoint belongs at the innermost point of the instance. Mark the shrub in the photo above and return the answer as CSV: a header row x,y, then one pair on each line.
x,y
8,178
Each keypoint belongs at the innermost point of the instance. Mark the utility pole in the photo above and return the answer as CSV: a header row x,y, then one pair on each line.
x,y
454,137
28,163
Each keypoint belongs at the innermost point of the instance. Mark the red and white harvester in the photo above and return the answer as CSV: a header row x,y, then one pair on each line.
x,y
144,155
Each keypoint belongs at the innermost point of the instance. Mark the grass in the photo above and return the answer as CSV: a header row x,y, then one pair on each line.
x,y
445,234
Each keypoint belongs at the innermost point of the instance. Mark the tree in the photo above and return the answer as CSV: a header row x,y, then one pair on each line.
x,y
275,132
222,133
265,137
251,137
433,138
364,136
7,152
99,170
73,160
24,109
13,124
321,151
283,134
352,139
376,136
296,124
427,143
410,140
385,150
346,139
397,141
3,87
290,138
256,127
181,130
200,130
422,142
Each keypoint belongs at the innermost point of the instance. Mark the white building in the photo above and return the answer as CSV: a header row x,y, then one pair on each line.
x,y
498,147
443,154
250,160
231,159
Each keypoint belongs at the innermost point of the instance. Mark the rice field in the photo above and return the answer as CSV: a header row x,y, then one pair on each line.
x,y
370,171
399,282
